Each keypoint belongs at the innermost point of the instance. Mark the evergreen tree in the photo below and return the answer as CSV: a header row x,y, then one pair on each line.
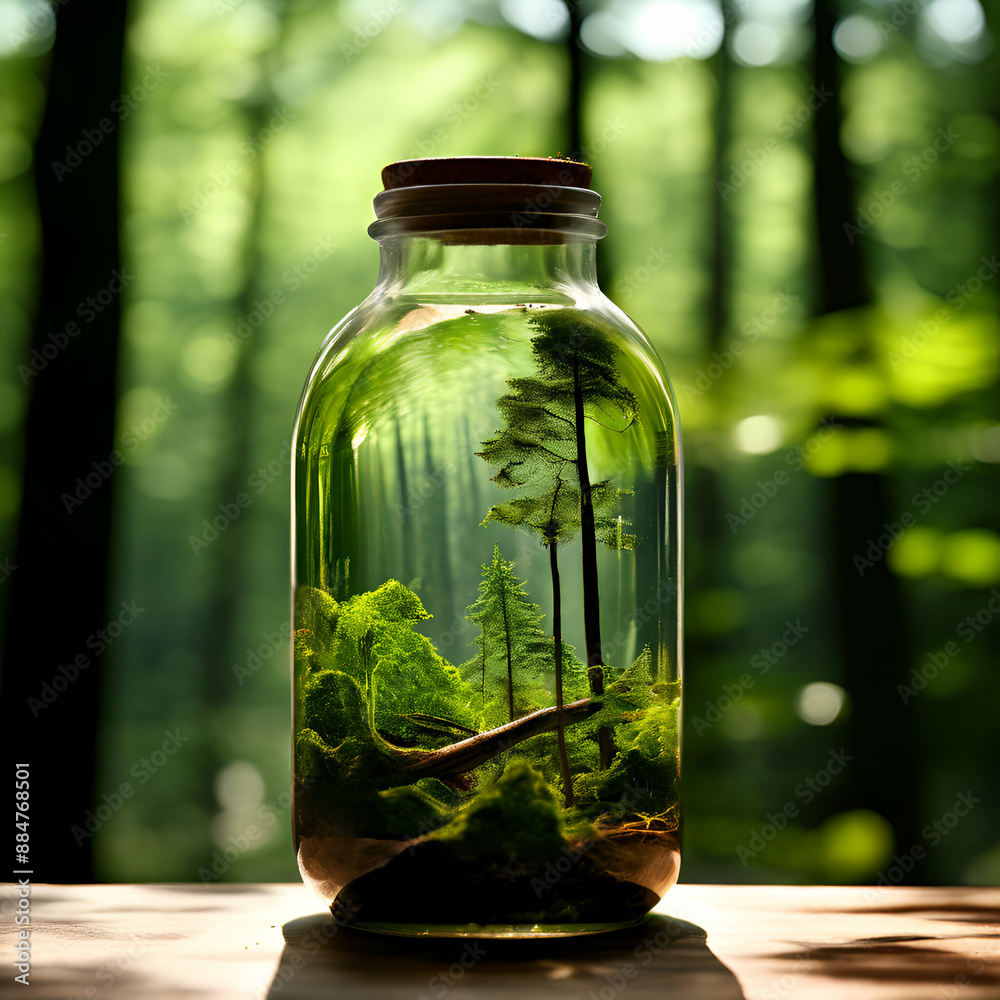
x,y
542,452
550,511
578,380
514,651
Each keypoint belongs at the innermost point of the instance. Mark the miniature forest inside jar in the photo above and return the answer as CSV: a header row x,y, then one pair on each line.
x,y
531,784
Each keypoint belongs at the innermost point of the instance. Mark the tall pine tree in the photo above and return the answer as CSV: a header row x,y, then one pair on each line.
x,y
514,652
511,639
542,451
531,452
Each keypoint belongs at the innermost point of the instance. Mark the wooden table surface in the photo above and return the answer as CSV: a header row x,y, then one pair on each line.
x,y
161,942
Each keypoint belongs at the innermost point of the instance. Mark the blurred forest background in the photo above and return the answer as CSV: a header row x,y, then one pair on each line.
x,y
803,215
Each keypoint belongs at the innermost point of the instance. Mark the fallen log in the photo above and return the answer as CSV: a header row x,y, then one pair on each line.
x,y
458,758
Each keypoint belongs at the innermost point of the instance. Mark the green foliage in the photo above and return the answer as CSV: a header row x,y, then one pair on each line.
x,y
334,706
369,675
542,452
347,744
577,374
365,619
642,781
576,357
419,729
536,454
304,652
652,732
514,670
316,611
626,694
538,450
518,816
581,749
314,757
409,674
413,810
370,638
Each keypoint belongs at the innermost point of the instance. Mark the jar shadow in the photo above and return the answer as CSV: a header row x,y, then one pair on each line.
x,y
660,956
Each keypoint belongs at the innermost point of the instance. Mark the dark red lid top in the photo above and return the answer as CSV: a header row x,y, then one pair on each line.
x,y
486,170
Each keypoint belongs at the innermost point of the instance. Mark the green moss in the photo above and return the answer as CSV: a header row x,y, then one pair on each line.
x,y
643,780
410,812
334,706
304,651
517,816
438,790
314,759
316,611
375,689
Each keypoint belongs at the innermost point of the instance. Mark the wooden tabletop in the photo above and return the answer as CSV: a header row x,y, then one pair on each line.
x,y
160,942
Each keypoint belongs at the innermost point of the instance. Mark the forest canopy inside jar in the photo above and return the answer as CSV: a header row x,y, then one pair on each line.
x,y
486,574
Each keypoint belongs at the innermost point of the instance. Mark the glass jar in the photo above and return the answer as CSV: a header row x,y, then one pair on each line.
x,y
487,574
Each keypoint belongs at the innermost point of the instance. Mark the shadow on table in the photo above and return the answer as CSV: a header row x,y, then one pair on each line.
x,y
899,960
955,959
959,912
662,956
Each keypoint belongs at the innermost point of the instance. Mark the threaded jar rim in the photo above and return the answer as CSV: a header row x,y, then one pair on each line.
x,y
503,199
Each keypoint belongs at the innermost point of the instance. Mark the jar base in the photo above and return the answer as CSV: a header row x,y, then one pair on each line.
x,y
494,931
432,891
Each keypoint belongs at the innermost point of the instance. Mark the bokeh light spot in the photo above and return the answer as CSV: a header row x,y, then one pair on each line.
x,y
857,38
756,44
956,21
819,704
854,845
758,435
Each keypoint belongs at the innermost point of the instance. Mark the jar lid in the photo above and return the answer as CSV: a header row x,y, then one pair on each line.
x,y
494,199
487,170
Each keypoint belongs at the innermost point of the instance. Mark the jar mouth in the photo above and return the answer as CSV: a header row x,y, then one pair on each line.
x,y
513,208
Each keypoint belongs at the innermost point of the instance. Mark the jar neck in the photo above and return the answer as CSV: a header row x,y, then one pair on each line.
x,y
439,267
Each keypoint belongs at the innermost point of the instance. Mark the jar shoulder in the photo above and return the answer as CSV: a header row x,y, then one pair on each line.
x,y
406,346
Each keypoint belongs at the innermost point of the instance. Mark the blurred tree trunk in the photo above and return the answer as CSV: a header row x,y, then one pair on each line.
x,y
721,301
574,96
231,568
708,549
868,609
59,592
574,127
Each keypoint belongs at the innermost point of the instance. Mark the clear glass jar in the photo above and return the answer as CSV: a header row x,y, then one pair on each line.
x,y
487,574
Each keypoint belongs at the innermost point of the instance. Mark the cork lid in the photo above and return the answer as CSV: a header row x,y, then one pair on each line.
x,y
488,200
543,170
